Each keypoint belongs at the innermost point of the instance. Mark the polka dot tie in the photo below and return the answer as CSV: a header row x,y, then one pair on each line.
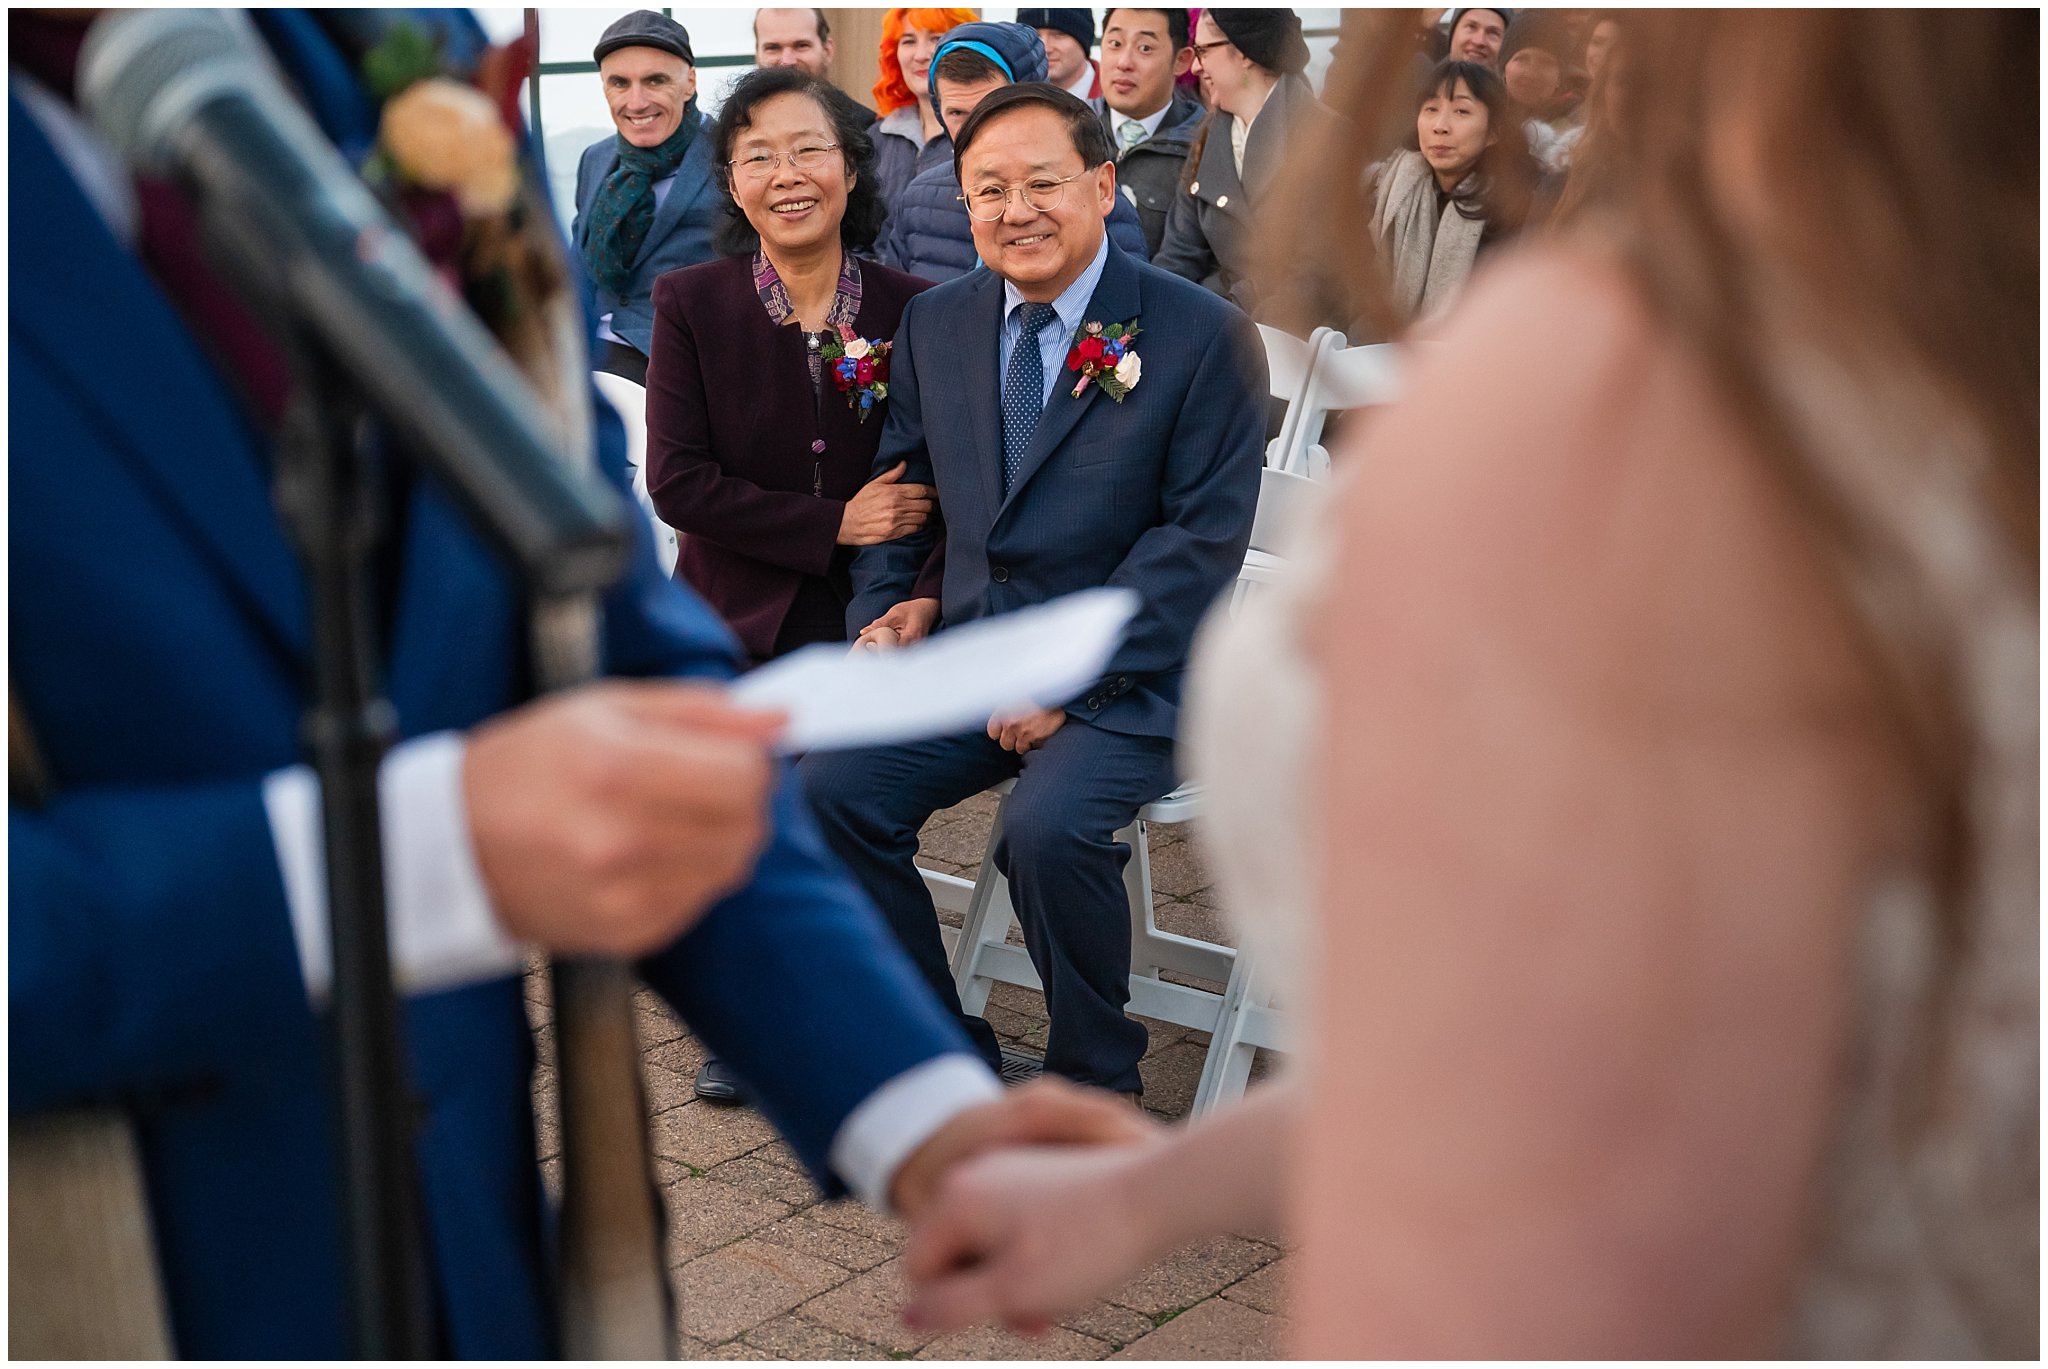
x,y
1023,390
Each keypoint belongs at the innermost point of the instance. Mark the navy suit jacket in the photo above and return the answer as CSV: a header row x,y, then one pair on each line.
x,y
159,640
680,236
1155,493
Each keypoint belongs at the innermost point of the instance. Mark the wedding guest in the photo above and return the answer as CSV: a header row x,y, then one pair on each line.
x,y
1435,210
646,201
760,443
1532,65
1051,480
1253,60
1068,35
1730,575
1152,124
909,136
1477,35
929,233
800,38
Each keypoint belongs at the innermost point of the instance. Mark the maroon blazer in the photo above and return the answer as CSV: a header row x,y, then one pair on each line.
x,y
731,423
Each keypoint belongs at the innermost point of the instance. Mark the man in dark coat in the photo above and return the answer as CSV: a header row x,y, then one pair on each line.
x,y
647,198
1151,123
1144,479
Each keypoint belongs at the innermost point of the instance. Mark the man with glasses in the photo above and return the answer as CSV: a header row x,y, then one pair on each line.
x,y
647,200
928,233
1050,481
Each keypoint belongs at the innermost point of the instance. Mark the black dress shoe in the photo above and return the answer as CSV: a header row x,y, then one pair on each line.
x,y
716,1083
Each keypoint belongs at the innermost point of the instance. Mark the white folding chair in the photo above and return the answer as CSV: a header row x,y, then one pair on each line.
x,y
1238,1019
1285,499
1290,364
1340,378
631,402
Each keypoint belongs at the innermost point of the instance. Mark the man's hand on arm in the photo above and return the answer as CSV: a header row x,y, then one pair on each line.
x,y
910,621
607,819
1025,731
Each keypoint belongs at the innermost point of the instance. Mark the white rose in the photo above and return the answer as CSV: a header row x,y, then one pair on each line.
x,y
857,348
1129,369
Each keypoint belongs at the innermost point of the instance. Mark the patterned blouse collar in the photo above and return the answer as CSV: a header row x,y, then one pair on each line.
x,y
775,299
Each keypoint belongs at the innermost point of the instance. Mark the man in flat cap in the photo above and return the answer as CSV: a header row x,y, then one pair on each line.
x,y
646,199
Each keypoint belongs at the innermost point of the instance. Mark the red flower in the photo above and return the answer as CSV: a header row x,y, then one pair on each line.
x,y
864,371
880,362
1090,348
1074,360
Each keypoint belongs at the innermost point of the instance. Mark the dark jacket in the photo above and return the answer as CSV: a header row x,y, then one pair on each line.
x,y
1154,493
681,235
731,419
1149,174
1210,233
930,235
899,157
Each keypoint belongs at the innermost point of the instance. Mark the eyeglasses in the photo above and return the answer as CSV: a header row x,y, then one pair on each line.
x,y
761,165
1201,50
1044,194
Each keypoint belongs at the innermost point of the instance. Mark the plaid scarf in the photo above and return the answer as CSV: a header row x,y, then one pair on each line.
x,y
623,209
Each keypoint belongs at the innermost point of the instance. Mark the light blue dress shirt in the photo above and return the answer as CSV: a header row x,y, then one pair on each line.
x,y
1053,343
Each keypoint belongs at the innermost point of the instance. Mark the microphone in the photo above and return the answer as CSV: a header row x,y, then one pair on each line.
x,y
193,93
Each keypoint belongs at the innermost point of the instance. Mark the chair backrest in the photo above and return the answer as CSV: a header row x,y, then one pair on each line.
x,y
1341,378
1285,499
631,402
1290,366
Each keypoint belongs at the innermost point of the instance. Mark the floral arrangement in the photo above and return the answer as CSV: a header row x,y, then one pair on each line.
x,y
859,367
1104,355
447,162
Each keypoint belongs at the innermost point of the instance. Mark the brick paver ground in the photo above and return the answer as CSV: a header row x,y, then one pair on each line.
x,y
766,1270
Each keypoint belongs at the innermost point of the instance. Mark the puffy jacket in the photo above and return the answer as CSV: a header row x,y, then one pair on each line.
x,y
899,156
930,235
1148,175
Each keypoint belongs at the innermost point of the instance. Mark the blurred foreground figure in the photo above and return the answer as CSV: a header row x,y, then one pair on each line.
x,y
1668,854
167,926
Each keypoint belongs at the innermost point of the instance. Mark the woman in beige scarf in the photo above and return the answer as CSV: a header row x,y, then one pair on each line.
x,y
1433,209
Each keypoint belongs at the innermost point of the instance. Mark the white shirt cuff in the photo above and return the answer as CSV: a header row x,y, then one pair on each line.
x,y
893,1121
443,934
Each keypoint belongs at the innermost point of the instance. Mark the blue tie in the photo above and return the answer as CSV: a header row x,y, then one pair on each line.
x,y
1023,390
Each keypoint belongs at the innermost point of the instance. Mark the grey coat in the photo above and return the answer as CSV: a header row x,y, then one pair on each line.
x,y
1210,237
1149,173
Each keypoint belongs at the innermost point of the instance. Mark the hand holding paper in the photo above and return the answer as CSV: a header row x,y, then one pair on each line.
x,y
954,681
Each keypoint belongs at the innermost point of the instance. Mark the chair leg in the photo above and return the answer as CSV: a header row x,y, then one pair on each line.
x,y
987,923
1228,1065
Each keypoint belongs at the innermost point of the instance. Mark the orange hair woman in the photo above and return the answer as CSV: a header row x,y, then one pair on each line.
x,y
908,136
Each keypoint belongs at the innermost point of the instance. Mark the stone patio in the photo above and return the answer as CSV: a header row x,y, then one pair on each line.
x,y
765,1270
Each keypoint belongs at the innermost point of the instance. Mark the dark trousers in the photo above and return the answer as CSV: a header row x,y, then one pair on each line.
x,y
1057,851
621,360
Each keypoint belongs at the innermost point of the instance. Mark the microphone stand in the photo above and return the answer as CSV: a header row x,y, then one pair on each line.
x,y
332,503
615,1297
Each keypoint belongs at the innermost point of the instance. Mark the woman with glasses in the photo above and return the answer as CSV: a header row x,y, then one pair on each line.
x,y
768,385
1251,62
766,388
759,447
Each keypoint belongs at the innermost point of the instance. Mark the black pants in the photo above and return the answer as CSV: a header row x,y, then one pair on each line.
x,y
621,360
1065,870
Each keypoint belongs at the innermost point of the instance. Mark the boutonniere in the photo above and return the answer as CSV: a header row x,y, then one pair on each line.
x,y
860,368
1105,356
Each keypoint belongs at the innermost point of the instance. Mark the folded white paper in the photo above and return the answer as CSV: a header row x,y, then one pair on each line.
x,y
953,681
